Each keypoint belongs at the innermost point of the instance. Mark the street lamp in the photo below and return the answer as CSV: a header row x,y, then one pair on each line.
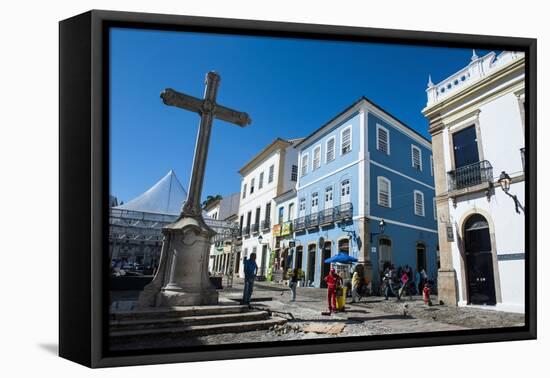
x,y
382,226
504,180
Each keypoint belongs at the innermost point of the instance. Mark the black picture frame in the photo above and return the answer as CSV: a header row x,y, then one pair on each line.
x,y
84,185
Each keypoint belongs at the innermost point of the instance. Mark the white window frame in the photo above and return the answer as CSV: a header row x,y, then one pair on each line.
x,y
270,173
413,147
432,165
302,206
244,190
313,166
333,138
261,181
380,127
345,196
329,190
302,166
252,181
423,203
342,140
314,197
379,179
435,209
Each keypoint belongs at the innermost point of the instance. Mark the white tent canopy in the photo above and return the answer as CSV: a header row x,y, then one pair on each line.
x,y
165,197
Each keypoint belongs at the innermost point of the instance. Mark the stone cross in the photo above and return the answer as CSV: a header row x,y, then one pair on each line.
x,y
208,109
182,278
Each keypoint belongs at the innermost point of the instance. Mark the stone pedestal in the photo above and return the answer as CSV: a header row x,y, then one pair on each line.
x,y
447,287
187,278
182,278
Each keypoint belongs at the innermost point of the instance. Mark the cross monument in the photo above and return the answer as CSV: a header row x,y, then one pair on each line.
x,y
182,277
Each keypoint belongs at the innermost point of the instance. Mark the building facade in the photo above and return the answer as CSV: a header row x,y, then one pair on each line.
x,y
270,173
362,167
282,234
477,125
224,209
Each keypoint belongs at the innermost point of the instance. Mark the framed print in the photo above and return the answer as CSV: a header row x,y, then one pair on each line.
x,y
234,188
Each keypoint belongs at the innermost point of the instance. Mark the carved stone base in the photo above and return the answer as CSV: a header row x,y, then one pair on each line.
x,y
182,279
447,287
175,298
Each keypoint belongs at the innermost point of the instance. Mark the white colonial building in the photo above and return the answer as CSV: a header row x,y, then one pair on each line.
x,y
270,173
224,209
477,125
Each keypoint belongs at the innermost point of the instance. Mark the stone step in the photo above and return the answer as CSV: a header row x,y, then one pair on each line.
x,y
173,322
178,312
125,336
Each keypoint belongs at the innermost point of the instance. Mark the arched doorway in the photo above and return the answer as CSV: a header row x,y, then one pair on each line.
x,y
311,249
325,267
479,261
421,257
299,254
385,253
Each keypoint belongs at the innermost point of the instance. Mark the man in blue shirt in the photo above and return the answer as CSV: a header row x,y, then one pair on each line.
x,y
250,269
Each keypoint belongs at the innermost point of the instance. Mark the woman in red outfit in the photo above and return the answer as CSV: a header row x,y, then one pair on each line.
x,y
332,280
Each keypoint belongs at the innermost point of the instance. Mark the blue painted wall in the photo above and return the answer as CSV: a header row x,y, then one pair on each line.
x,y
404,239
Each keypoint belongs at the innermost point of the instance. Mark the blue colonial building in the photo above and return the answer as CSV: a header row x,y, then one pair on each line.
x,y
360,168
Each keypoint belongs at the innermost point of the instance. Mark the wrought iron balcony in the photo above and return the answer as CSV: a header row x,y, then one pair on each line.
x,y
470,176
265,225
343,212
312,220
327,216
255,228
300,224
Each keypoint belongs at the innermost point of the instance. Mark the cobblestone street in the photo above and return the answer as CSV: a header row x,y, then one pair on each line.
x,y
372,316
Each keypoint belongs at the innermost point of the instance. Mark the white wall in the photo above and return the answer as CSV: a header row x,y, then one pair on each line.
x,y
259,198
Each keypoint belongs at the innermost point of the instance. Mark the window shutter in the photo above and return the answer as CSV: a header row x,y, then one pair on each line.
x,y
330,149
316,157
346,141
418,203
383,141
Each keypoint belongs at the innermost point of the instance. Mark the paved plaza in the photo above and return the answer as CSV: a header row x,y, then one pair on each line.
x,y
371,316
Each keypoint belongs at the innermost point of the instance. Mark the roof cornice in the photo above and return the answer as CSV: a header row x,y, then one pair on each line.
x,y
272,147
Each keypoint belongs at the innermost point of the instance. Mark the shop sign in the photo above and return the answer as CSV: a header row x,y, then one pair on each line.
x,y
287,229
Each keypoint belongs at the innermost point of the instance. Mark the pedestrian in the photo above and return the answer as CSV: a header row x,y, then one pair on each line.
x,y
404,283
332,280
418,282
250,270
357,282
389,277
293,283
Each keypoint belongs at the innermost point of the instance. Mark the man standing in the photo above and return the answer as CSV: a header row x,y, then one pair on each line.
x,y
332,280
250,269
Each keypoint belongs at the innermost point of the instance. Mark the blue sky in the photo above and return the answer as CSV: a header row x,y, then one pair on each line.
x,y
289,87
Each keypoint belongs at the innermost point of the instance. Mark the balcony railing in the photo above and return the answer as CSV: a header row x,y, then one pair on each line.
x,y
312,220
265,225
470,175
255,228
300,224
331,215
326,216
343,212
